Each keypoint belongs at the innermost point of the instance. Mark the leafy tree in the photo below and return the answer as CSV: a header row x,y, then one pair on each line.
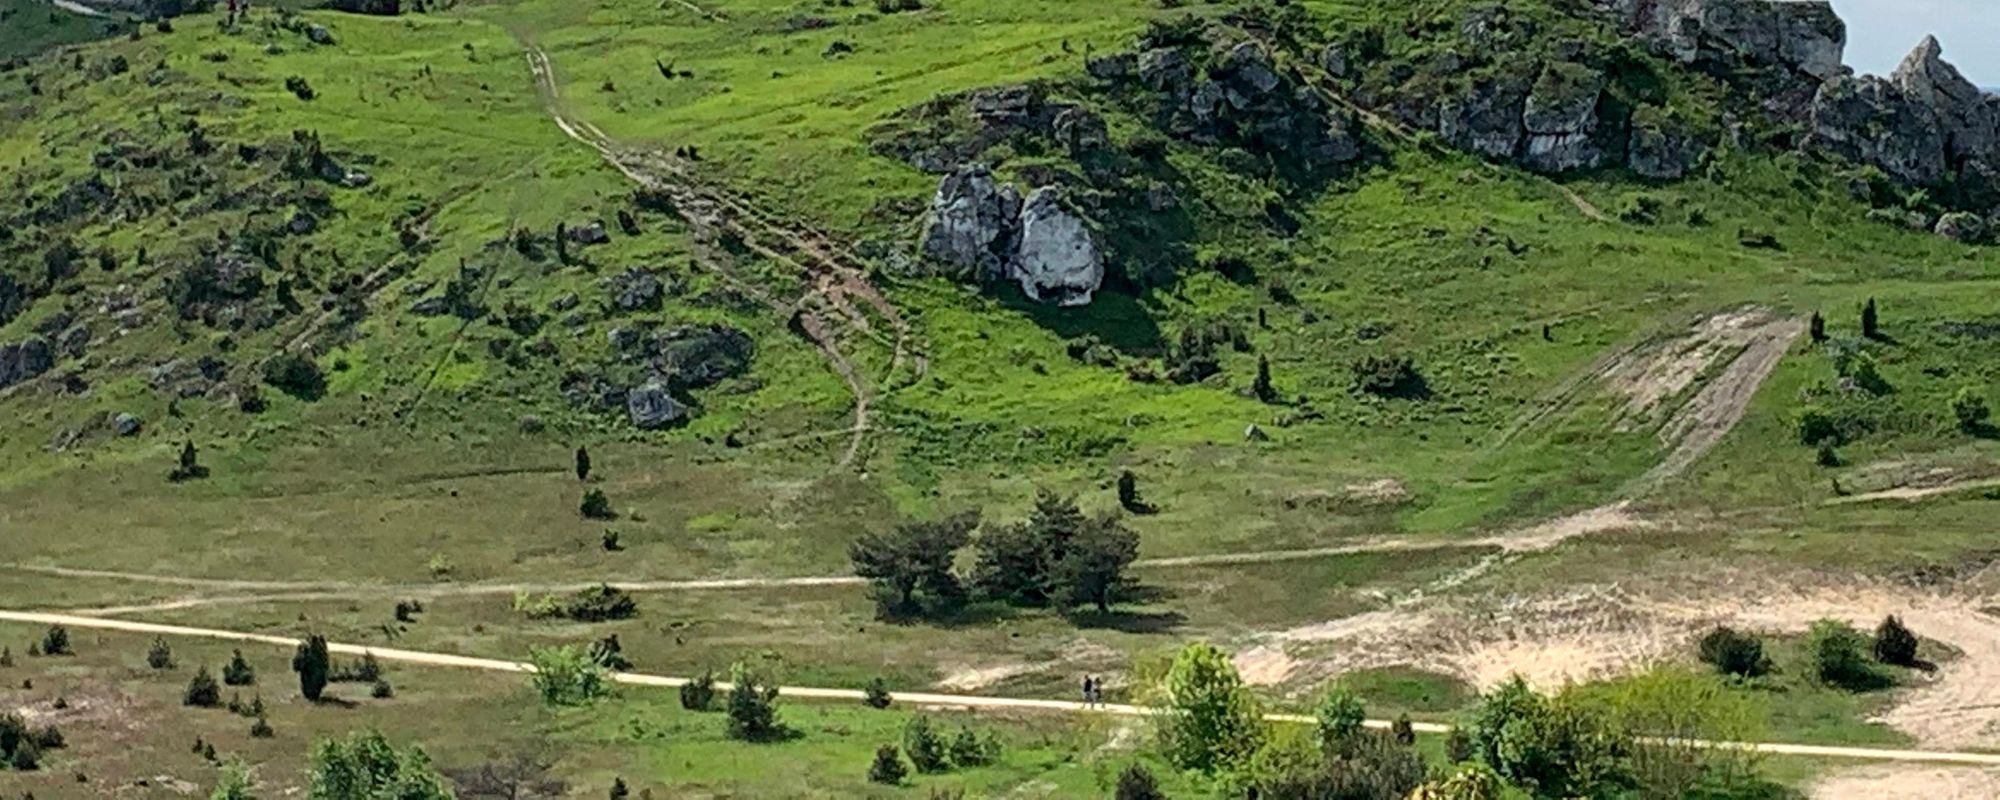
x,y
1835,650
887,768
1338,717
1818,327
1136,783
1969,407
1816,426
1458,745
366,765
313,664
233,782
1733,652
55,642
295,375
159,655
699,694
1015,562
1091,569
915,558
238,672
596,506
202,690
1895,644
876,695
566,676
1871,322
1677,706
923,745
1210,721
618,790
753,707
1552,748
582,464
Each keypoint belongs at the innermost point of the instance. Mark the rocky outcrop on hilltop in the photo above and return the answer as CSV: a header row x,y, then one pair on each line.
x,y
1804,36
1924,125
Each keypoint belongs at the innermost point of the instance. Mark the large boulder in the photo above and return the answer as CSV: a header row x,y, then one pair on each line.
x,y
1560,119
972,224
25,360
1871,121
651,407
1058,260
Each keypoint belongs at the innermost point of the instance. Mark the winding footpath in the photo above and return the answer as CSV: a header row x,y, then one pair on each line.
x,y
931,700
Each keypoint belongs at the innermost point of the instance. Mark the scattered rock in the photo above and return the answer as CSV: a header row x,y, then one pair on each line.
x,y
319,35
622,340
1661,148
593,233
435,306
699,356
73,341
635,290
566,302
24,360
13,298
1871,121
125,424
1333,59
1255,433
529,423
650,407
1117,67
302,223
1962,227
1803,35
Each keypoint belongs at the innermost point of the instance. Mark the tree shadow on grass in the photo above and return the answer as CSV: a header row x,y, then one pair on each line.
x,y
1141,622
1115,318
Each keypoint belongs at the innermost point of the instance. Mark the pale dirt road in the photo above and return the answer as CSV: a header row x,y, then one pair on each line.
x,y
913,698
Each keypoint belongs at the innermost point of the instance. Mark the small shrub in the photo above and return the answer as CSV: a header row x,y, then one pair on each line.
x,y
1389,376
1732,652
753,707
887,768
601,603
1339,717
382,690
55,642
925,748
300,88
1816,426
1403,730
610,653
1835,650
877,694
440,567
596,506
238,672
202,690
160,656
969,749
1136,783
1895,644
295,375
261,728
610,541
1969,408
566,676
699,694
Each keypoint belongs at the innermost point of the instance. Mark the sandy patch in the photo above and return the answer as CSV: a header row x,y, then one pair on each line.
x,y
972,679
1907,782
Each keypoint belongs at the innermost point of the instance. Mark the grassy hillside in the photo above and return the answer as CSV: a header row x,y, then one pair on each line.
x,y
386,377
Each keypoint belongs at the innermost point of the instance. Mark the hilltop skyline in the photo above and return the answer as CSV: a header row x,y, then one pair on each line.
x,y
1881,32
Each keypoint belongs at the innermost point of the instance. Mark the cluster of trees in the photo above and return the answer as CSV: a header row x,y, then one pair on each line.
x,y
1835,653
1059,557
930,752
54,642
600,603
1624,740
751,703
21,748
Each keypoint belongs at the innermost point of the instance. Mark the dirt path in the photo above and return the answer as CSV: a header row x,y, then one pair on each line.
x,y
837,279
913,698
1907,782
1911,493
